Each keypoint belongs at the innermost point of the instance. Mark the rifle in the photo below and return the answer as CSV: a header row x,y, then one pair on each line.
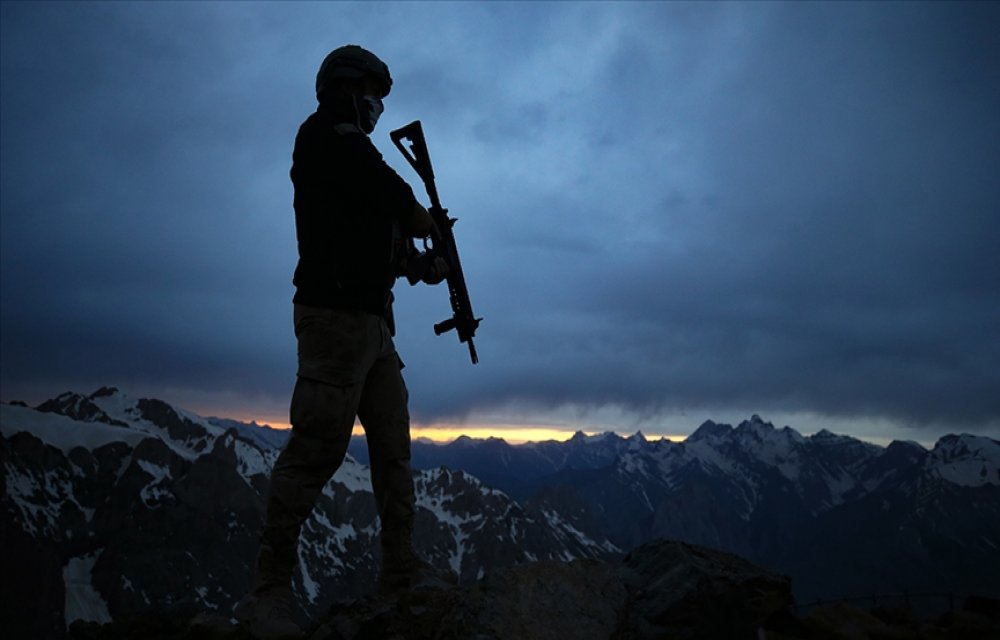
x,y
462,318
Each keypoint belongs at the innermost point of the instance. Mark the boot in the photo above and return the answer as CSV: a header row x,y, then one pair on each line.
x,y
268,615
403,569
419,575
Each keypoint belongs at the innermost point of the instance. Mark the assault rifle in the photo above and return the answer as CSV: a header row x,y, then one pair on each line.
x,y
462,319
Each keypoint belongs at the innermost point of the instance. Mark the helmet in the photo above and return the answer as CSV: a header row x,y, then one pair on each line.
x,y
352,61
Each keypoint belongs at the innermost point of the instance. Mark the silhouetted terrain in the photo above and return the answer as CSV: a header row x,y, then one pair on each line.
x,y
124,510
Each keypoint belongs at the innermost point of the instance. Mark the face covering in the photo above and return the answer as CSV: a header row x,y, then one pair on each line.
x,y
369,109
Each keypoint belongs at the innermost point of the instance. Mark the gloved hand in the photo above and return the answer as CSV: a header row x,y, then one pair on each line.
x,y
426,267
437,271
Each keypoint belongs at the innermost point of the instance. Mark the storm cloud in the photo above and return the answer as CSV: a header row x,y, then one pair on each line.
x,y
664,208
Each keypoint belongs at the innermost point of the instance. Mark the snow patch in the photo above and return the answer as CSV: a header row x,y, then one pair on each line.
x,y
155,492
250,460
438,504
117,406
309,586
966,460
564,528
83,602
62,432
353,475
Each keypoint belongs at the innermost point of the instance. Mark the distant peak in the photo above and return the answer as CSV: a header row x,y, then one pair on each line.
x,y
967,459
899,445
73,395
709,429
578,436
756,423
825,436
79,407
607,435
639,436
105,392
64,403
906,451
965,441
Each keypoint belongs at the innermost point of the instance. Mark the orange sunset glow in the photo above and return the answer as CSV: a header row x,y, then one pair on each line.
x,y
512,433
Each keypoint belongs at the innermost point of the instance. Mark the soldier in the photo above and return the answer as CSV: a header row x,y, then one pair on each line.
x,y
355,221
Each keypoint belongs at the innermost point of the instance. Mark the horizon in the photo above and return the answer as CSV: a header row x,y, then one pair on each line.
x,y
513,434
555,427
518,435
668,212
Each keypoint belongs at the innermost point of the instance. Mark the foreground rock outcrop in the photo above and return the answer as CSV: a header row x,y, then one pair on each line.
x,y
663,589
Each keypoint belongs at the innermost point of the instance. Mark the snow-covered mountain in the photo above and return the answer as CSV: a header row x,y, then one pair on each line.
x,y
113,506
841,516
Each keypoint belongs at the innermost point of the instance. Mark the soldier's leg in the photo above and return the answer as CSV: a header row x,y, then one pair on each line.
x,y
386,420
311,456
322,418
336,349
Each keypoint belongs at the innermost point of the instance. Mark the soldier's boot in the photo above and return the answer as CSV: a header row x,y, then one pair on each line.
x,y
403,569
267,612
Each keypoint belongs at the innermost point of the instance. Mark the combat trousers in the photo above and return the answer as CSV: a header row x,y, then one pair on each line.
x,y
348,367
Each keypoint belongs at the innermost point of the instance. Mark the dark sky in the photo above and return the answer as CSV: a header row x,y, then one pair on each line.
x,y
668,212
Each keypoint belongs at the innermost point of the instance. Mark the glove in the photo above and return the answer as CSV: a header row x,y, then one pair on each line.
x,y
426,267
437,271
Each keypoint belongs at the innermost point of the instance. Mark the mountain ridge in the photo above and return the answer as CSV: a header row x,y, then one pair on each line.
x,y
167,509
94,484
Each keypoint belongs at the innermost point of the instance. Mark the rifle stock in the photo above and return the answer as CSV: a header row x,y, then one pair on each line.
x,y
462,320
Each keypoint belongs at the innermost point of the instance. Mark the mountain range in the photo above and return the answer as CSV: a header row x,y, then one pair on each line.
x,y
112,506
841,516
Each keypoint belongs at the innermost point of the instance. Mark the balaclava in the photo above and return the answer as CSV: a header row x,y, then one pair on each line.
x,y
369,108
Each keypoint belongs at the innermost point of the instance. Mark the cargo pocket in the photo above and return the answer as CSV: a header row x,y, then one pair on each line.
x,y
325,412
334,347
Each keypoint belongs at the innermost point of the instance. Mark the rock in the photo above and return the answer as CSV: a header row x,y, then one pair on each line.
x,y
663,589
843,621
25,605
686,591
583,599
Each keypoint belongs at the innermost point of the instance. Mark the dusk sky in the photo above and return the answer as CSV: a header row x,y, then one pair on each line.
x,y
669,212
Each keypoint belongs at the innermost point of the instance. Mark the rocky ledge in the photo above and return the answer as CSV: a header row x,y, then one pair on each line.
x,y
661,590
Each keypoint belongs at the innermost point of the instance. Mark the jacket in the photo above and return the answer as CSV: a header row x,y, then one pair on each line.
x,y
349,206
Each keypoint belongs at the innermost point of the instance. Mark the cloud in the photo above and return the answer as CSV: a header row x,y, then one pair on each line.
x,y
663,207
